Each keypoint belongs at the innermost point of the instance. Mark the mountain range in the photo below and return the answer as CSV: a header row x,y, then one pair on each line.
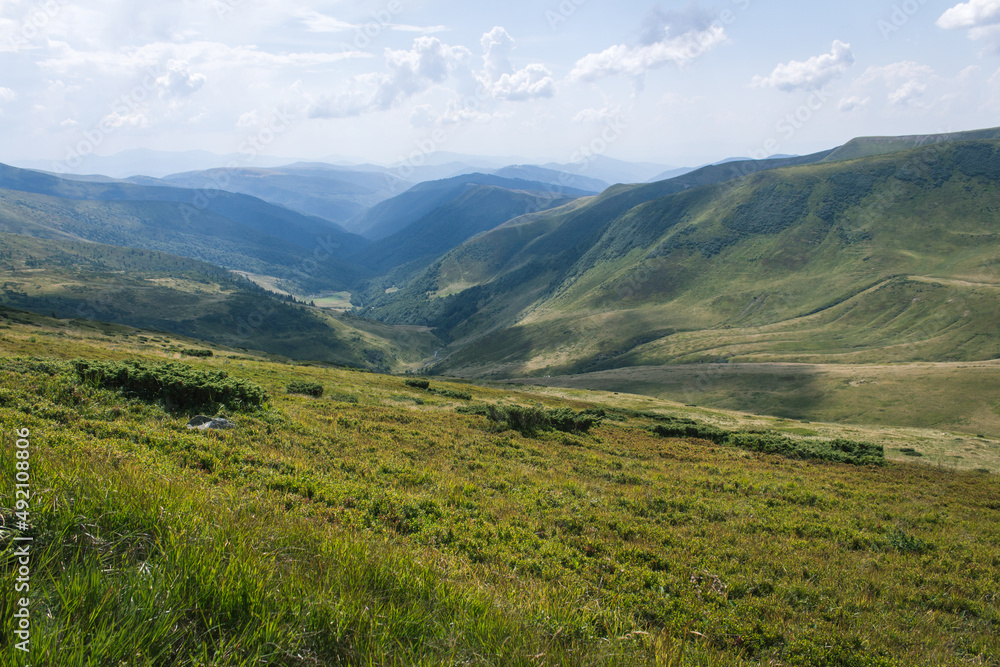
x,y
883,249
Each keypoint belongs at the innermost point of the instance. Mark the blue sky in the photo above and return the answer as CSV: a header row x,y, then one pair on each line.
x,y
677,83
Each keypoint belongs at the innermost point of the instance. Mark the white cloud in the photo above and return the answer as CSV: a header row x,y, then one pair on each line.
x,y
529,83
409,72
219,56
497,46
178,81
972,14
634,61
430,64
853,103
499,77
7,95
906,82
248,120
610,112
317,22
811,74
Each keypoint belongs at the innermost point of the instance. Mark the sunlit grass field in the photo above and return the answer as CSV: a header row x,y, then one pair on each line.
x,y
376,525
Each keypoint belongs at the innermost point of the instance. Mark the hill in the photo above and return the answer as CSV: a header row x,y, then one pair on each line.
x,y
167,293
230,230
333,193
474,209
388,521
538,174
887,258
869,146
398,213
610,170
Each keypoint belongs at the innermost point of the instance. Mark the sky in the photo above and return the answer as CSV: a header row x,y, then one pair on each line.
x,y
391,81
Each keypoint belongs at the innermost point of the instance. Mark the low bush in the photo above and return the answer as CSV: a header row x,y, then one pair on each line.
x,y
178,386
194,352
688,428
418,384
305,388
452,393
844,451
529,421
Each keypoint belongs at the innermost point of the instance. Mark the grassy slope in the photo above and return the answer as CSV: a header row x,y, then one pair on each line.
x,y
694,276
170,293
869,146
956,397
377,526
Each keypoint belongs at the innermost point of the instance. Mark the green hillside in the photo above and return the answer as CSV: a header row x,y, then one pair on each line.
x,y
889,258
388,521
479,208
154,290
420,201
869,146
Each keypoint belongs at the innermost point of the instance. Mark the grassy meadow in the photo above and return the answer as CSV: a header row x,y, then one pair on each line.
x,y
376,524
932,402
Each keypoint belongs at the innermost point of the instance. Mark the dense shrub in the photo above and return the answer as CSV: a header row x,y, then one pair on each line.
x,y
452,393
448,393
179,386
571,421
529,421
844,451
688,428
195,352
306,388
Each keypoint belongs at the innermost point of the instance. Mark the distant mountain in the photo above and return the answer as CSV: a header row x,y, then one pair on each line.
x,y
559,178
469,209
885,258
394,215
610,170
231,230
670,173
681,171
145,162
331,192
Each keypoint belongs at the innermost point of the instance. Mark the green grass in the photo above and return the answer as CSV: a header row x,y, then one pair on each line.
x,y
376,525
338,301
961,398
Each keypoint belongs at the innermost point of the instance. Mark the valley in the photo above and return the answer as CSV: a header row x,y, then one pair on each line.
x,y
745,414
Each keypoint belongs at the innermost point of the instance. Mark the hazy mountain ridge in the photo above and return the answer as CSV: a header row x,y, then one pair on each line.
x,y
231,230
394,215
334,194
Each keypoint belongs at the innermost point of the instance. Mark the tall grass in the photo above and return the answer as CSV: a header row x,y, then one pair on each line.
x,y
379,531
